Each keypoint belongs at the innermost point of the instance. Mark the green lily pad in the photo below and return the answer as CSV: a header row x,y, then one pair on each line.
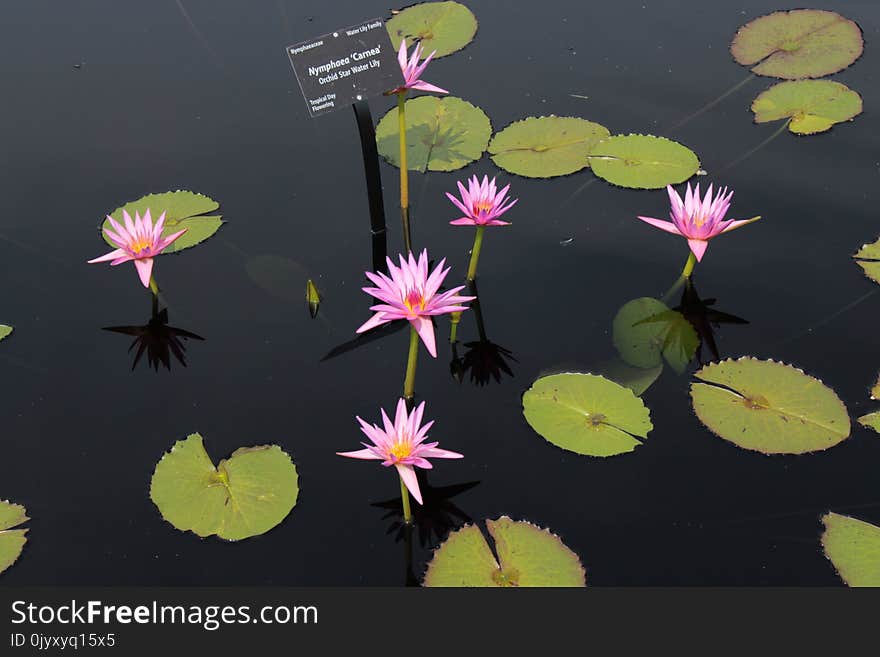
x,y
637,379
875,390
868,258
871,421
803,43
812,105
547,146
5,331
442,134
586,414
245,495
12,540
446,27
527,556
769,407
645,331
182,210
853,546
643,161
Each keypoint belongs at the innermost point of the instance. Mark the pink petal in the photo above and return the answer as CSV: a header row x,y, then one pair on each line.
x,y
425,329
668,226
421,85
364,454
144,268
737,223
437,453
113,255
408,475
376,320
164,242
464,221
698,247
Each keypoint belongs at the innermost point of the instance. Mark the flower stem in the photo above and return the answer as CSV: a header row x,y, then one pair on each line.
x,y
409,384
689,266
404,171
475,253
404,497
154,288
454,320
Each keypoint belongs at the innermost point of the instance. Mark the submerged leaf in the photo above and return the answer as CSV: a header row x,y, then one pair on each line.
x,y
803,43
547,146
182,210
637,379
586,414
642,161
442,134
813,105
868,258
769,407
645,331
245,495
5,331
853,546
527,556
279,276
11,540
446,27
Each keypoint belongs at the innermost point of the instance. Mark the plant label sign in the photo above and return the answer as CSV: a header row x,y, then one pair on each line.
x,y
343,67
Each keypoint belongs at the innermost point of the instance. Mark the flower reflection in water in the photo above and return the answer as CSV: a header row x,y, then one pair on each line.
x,y
158,340
484,359
705,319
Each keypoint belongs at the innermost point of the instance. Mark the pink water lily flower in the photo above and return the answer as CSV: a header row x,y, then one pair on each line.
x,y
139,240
412,70
698,221
481,203
410,293
401,444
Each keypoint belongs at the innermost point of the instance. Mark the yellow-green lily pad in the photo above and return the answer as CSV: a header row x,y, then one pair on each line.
x,y
446,27
586,414
5,331
642,161
768,407
442,134
811,105
526,556
868,258
546,146
12,538
245,495
802,43
853,546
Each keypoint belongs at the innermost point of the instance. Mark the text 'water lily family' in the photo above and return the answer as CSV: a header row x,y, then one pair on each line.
x,y
139,241
698,220
402,444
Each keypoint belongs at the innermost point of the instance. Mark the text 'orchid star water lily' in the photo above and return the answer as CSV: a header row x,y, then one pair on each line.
x,y
412,70
410,293
139,240
698,220
401,444
481,203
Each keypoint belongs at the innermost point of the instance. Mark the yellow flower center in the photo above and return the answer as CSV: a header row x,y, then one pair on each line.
x,y
414,301
400,450
139,246
482,206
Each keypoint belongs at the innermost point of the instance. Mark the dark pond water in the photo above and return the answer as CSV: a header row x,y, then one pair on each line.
x,y
106,101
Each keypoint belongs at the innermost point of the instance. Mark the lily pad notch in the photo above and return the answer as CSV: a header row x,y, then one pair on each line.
x,y
245,495
12,536
868,258
525,555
